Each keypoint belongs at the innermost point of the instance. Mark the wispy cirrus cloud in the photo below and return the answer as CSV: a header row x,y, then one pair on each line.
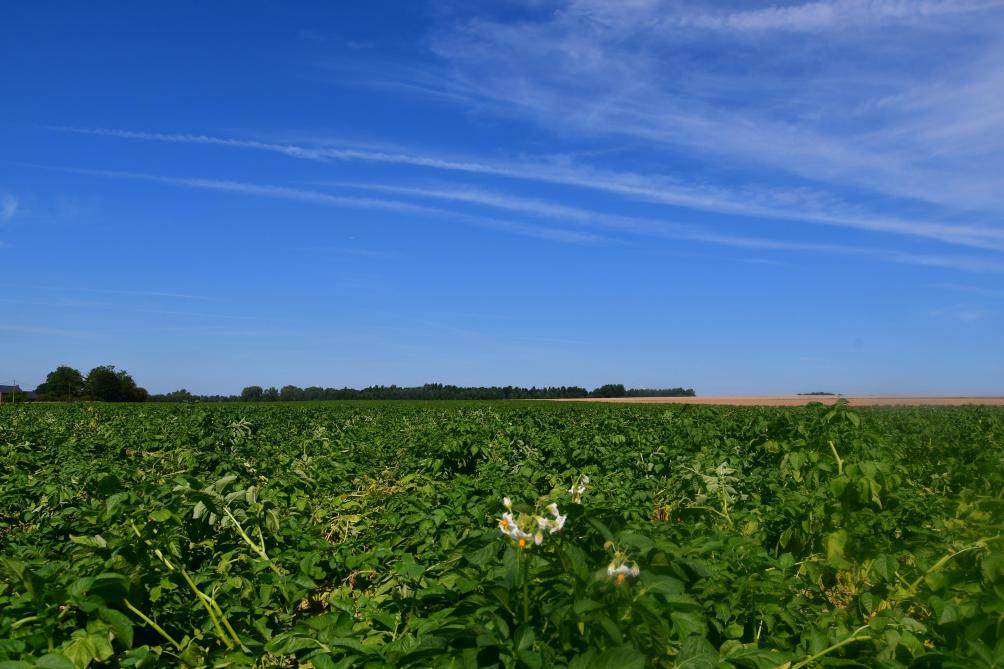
x,y
976,290
147,293
829,15
321,153
803,205
700,80
263,190
667,229
624,224
651,226
43,330
357,252
8,207
326,199
966,313
116,291
645,227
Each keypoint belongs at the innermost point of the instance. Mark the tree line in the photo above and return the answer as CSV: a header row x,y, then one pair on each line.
x,y
439,391
103,383
107,384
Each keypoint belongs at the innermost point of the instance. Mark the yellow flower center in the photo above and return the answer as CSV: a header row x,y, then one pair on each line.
x,y
620,578
522,543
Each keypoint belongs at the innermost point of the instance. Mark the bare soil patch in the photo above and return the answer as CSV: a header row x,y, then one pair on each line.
x,y
799,400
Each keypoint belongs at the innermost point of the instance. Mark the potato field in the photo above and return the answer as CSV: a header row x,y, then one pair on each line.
x,y
394,534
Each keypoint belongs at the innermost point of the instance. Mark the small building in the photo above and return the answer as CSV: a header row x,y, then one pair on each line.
x,y
7,393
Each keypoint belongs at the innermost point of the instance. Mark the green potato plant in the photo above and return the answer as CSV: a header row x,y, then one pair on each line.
x,y
477,534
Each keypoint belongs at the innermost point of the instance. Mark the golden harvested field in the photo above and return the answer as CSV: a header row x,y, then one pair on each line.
x,y
797,400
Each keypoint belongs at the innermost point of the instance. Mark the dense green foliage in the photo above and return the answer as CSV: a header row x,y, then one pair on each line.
x,y
62,384
105,384
102,383
368,535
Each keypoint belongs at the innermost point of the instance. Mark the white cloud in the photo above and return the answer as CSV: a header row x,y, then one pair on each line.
x,y
266,190
639,226
146,293
39,330
645,227
956,234
317,197
672,230
976,290
966,313
809,106
802,204
8,207
832,15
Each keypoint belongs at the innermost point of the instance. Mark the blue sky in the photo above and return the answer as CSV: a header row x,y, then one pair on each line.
x,y
735,197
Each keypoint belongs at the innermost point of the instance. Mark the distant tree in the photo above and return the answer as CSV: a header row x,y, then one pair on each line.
x,y
130,392
610,390
181,395
661,392
428,391
62,384
105,384
102,384
252,394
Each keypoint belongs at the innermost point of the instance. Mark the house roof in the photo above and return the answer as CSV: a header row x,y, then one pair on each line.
x,y
26,394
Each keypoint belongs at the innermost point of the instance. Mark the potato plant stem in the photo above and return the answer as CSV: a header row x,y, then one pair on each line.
x,y
526,589
23,621
829,649
840,461
151,623
208,602
260,550
202,597
226,623
979,543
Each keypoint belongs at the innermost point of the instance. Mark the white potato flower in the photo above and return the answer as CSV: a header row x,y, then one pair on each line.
x,y
526,528
621,570
578,488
